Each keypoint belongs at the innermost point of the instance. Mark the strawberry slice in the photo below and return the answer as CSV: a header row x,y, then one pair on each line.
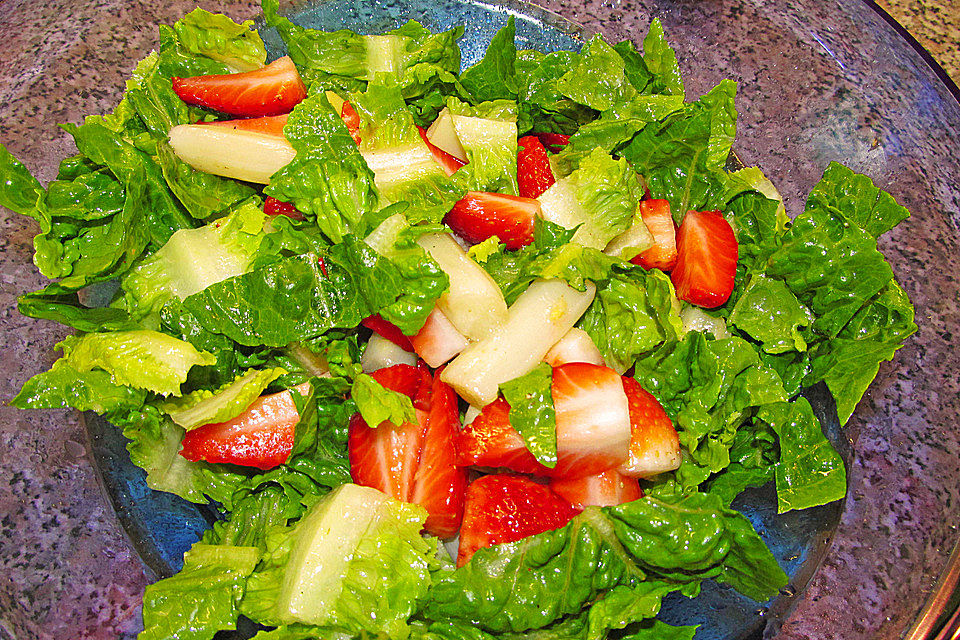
x,y
261,436
438,340
606,489
351,118
270,125
707,253
506,508
480,215
387,330
386,456
654,445
593,427
534,175
268,91
274,207
438,484
553,141
449,163
663,254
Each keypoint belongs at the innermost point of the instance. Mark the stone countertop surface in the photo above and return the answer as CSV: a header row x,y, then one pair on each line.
x,y
66,568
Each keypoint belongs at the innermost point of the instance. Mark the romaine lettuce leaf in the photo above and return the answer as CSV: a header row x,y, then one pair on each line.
x,y
532,412
202,598
494,77
203,43
597,79
204,406
377,404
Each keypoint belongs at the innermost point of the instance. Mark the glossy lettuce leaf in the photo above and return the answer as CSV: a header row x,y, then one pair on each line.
x,y
300,297
494,77
856,198
63,387
203,597
142,359
387,570
193,259
204,406
661,61
532,412
543,107
682,159
810,471
488,134
597,79
377,404
769,313
708,388
203,43
536,581
615,127
404,169
409,57
328,180
632,313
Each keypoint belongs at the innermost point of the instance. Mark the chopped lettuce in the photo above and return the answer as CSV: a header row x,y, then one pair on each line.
x,y
204,406
532,413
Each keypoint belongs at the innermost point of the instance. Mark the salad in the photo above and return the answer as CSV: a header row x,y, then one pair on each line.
x,y
480,353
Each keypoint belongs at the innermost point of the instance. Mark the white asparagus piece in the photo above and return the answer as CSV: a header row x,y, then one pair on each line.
x,y
535,322
381,353
233,153
474,302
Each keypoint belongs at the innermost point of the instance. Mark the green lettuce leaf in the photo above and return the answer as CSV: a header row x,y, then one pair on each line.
x,y
597,79
63,386
532,413
204,406
661,61
856,198
203,43
769,313
377,404
142,359
495,76
810,471
203,597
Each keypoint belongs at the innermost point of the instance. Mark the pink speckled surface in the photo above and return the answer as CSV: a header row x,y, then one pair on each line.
x,y
66,568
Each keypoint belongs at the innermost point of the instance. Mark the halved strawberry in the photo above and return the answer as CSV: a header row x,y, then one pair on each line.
x,y
261,436
605,489
438,340
654,445
663,254
707,253
449,163
351,118
268,91
438,484
274,207
505,508
553,141
534,175
386,456
593,427
270,125
480,215
388,330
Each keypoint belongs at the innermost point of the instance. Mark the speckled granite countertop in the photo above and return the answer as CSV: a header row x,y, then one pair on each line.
x,y
66,569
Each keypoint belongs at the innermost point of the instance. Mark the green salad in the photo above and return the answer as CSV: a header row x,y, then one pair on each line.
x,y
480,353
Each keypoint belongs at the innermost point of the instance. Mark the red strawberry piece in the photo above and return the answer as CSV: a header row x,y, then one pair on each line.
x,y
480,215
438,484
654,445
593,427
606,489
386,456
707,253
270,125
268,91
438,340
449,163
534,175
387,330
553,141
663,254
505,508
274,207
261,436
351,118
